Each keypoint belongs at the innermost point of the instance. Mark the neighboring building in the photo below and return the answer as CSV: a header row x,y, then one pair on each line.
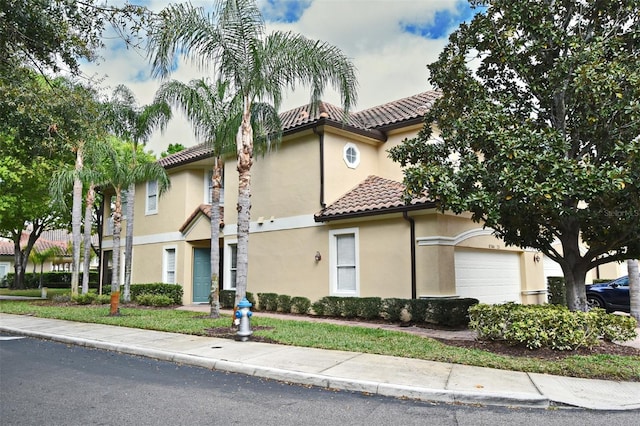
x,y
45,242
327,219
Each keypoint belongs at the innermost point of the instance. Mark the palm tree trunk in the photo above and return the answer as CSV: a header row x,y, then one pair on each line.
x,y
634,288
244,144
115,273
88,219
76,220
128,243
214,296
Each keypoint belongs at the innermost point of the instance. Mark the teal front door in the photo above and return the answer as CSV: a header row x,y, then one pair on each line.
x,y
201,275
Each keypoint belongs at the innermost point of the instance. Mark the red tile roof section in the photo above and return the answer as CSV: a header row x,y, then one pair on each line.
x,y
7,248
371,119
375,195
205,209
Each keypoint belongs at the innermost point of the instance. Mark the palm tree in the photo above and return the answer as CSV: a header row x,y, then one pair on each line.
x,y
92,153
257,67
215,117
39,257
135,125
123,172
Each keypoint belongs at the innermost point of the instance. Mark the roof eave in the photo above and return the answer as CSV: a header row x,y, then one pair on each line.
x,y
352,215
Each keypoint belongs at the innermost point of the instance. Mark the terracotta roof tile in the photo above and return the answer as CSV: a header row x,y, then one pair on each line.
x,y
188,155
371,120
375,195
7,249
205,209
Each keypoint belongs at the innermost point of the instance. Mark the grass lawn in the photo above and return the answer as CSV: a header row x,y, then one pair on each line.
x,y
339,337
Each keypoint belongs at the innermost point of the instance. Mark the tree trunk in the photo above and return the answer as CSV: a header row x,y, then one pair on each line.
x,y
76,221
115,273
634,288
574,268
19,266
88,217
214,296
244,144
128,243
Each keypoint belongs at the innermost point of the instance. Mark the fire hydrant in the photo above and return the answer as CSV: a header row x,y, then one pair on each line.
x,y
243,314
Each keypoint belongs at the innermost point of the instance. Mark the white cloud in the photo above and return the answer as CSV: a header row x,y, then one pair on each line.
x,y
391,62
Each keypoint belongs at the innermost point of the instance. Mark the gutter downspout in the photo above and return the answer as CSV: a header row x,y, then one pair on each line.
x,y
320,134
412,227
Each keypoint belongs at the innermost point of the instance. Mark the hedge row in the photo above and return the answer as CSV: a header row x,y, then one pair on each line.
x,y
49,280
550,326
448,312
172,291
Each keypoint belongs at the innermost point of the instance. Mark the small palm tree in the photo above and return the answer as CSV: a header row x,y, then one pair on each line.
x,y
122,172
133,124
215,117
40,257
257,67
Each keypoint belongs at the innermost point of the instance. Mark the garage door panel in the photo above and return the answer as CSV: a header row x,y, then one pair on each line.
x,y
489,276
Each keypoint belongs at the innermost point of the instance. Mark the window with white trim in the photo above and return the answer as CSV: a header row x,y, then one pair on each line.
x,y
169,265
208,186
152,197
351,155
344,262
231,265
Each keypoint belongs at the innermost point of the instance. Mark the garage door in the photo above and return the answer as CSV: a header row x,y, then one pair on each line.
x,y
489,276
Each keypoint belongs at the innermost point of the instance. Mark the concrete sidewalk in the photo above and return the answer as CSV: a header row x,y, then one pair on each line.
x,y
374,374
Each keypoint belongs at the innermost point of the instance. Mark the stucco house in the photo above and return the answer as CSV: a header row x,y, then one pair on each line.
x,y
327,219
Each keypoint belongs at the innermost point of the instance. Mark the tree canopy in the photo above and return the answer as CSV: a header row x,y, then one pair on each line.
x,y
539,130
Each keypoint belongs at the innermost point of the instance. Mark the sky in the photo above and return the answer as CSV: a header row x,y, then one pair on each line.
x,y
390,42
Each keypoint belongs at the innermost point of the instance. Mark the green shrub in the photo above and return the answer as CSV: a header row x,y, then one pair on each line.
x,y
551,326
556,291
449,312
149,299
300,305
284,303
172,291
228,299
85,299
268,302
369,308
51,279
330,306
103,299
392,308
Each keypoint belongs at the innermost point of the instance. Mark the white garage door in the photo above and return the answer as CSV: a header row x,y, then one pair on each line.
x,y
489,276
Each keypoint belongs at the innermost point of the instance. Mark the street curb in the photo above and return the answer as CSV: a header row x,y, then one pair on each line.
x,y
307,379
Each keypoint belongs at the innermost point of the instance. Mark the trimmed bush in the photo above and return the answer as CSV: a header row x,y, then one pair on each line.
x,y
284,303
370,308
268,302
551,326
228,299
172,291
51,280
392,309
148,299
85,299
300,305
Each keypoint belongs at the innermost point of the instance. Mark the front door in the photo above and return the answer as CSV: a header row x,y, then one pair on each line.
x,y
201,275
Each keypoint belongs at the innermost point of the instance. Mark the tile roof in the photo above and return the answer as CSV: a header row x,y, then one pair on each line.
x,y
7,248
373,120
375,195
205,209
186,156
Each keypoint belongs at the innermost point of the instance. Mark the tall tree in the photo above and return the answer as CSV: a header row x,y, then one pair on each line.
x,y
258,67
539,120
133,124
122,172
215,118
49,34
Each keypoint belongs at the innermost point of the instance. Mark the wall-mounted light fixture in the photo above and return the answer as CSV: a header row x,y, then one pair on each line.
x,y
318,256
536,257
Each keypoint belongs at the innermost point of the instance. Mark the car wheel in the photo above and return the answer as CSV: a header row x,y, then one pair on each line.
x,y
595,302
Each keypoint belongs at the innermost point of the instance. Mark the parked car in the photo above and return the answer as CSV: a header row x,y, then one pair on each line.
x,y
611,296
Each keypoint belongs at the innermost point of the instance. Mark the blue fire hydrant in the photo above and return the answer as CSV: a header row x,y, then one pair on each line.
x,y
243,314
